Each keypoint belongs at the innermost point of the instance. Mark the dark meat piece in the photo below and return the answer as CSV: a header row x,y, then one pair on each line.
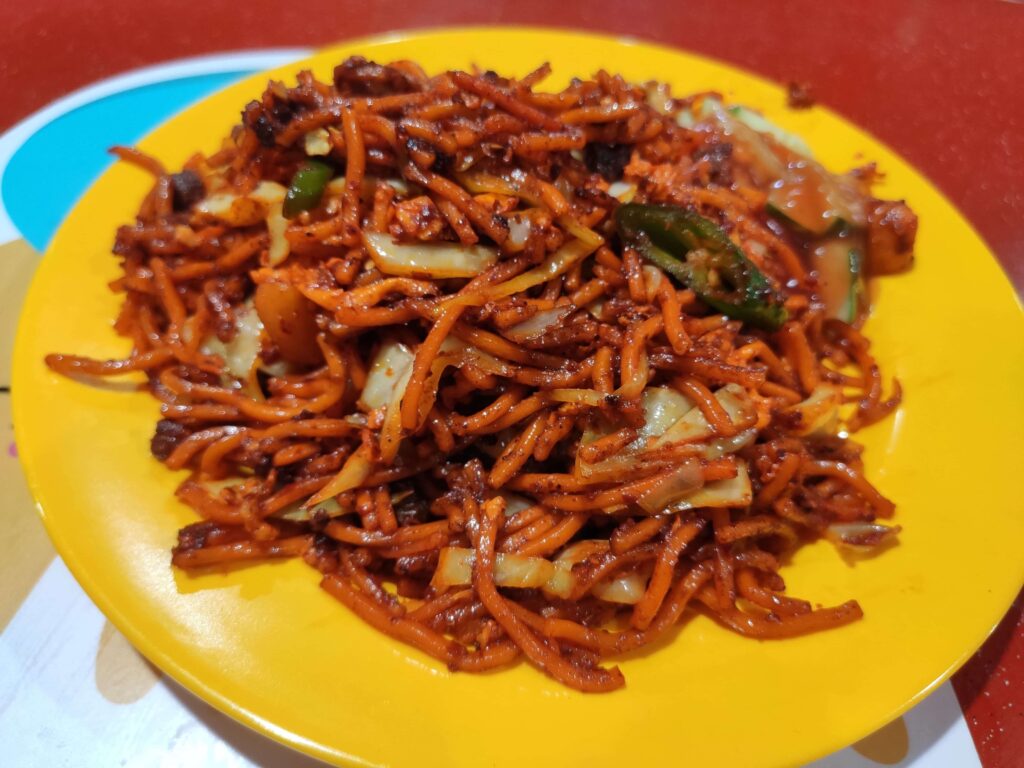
x,y
421,152
718,156
323,555
187,189
194,536
493,77
416,565
281,112
443,163
357,76
412,588
417,219
609,160
892,227
168,435
268,117
798,95
254,117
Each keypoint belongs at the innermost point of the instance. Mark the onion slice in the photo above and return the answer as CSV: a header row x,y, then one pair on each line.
x,y
733,492
670,417
723,445
299,514
317,143
514,503
683,481
626,588
355,471
392,361
623,191
558,263
385,385
819,413
591,397
262,204
268,192
455,568
277,226
539,324
662,408
694,427
241,352
437,260
562,581
861,536
232,210
652,280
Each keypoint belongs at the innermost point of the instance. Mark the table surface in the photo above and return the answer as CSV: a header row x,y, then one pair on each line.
x,y
938,80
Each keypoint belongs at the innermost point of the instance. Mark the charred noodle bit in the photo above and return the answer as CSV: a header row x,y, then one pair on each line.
x,y
511,367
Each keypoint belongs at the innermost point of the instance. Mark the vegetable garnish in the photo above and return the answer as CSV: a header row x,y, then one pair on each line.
x,y
307,187
699,254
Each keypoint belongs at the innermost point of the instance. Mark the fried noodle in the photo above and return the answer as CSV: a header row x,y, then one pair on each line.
x,y
445,378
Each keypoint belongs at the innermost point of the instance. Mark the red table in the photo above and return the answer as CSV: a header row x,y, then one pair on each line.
x,y
939,81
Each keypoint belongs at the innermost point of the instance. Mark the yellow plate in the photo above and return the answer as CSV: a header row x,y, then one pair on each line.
x,y
265,645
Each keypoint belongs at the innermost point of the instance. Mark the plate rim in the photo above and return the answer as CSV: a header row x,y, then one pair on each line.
x,y
163,659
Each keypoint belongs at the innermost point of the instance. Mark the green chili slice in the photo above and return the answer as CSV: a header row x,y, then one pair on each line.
x,y
307,187
698,253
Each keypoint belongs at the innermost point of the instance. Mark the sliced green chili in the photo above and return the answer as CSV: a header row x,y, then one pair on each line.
x,y
307,187
699,254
